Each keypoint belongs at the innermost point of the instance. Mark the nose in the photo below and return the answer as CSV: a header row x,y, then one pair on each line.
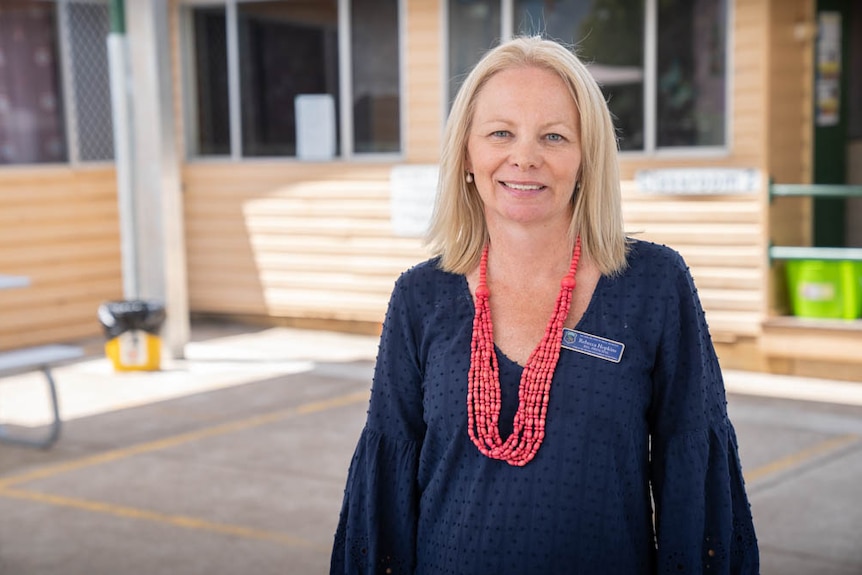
x,y
526,154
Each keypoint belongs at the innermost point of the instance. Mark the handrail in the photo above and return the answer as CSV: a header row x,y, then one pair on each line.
x,y
814,253
815,190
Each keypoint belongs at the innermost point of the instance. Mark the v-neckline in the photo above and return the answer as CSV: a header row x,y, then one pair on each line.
x,y
578,325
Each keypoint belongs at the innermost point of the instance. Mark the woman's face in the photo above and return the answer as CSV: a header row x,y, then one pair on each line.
x,y
524,148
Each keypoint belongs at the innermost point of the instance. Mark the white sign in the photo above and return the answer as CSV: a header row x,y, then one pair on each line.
x,y
413,189
699,181
315,126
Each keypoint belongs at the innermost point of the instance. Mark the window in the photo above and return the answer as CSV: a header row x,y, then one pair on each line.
x,y
375,50
290,78
474,26
690,73
660,63
54,92
285,49
210,53
31,114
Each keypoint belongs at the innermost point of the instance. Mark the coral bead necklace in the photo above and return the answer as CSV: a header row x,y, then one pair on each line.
x,y
483,387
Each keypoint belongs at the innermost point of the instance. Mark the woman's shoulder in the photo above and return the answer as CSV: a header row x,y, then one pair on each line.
x,y
426,294
427,276
428,270
651,268
647,254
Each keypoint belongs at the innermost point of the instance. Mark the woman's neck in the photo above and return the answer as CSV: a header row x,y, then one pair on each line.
x,y
530,254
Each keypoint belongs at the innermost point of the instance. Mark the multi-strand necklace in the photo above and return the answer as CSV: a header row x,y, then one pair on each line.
x,y
483,391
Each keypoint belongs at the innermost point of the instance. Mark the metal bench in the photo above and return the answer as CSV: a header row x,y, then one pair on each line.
x,y
29,359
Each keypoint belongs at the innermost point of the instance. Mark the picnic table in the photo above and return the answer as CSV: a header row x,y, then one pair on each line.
x,y
41,357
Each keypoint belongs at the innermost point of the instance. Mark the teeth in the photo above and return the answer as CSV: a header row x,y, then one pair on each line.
x,y
522,187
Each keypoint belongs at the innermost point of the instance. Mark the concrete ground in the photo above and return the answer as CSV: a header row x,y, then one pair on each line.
x,y
233,460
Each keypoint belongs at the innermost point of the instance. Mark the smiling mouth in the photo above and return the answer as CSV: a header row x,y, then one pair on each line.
x,y
523,187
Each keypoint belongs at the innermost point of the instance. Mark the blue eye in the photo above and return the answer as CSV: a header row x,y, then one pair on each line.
x,y
500,133
554,137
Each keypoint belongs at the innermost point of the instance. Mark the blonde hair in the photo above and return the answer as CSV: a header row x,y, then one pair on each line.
x,y
458,231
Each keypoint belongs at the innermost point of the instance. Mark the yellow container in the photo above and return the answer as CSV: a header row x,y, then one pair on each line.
x,y
135,350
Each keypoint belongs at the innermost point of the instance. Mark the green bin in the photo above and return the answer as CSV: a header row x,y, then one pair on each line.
x,y
825,288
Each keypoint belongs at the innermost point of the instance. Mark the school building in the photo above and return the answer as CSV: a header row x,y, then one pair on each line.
x,y
273,161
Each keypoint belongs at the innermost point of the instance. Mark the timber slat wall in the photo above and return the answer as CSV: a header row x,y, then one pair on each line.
x,y
423,71
293,240
791,107
58,226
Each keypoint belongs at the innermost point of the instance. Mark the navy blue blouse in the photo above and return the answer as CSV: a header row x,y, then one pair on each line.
x,y
623,439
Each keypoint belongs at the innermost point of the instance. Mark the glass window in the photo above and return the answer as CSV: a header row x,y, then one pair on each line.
x,y
681,91
288,78
285,49
212,120
55,99
32,129
376,83
609,36
692,36
474,28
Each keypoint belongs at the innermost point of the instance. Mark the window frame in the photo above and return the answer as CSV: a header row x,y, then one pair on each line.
x,y
507,19
344,103
73,153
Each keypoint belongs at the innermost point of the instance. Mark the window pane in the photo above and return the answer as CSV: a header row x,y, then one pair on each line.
x,y
89,25
609,36
31,114
286,49
691,72
474,27
212,112
374,37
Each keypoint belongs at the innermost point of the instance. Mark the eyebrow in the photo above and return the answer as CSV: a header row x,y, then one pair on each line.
x,y
556,125
545,126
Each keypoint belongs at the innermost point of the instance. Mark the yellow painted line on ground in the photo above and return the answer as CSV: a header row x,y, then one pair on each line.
x,y
800,457
151,446
182,521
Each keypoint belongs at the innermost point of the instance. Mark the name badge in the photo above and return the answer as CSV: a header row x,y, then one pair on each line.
x,y
593,345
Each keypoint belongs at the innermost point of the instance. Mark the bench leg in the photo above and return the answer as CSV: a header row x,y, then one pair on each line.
x,y
54,431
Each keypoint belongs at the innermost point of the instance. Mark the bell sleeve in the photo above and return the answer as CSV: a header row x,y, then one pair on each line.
x,y
377,526
703,520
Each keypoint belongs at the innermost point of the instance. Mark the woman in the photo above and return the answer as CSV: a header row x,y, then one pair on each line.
x,y
538,442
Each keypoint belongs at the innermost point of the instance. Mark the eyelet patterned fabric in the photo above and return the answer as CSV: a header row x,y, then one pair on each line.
x,y
420,498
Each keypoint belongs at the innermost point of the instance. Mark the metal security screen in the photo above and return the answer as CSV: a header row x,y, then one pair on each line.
x,y
85,30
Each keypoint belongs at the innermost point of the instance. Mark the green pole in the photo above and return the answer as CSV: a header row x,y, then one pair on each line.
x,y
118,16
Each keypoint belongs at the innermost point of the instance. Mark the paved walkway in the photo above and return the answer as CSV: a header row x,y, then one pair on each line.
x,y
222,356
233,460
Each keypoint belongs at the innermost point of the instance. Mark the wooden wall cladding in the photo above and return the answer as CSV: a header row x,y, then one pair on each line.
x,y
299,241
59,227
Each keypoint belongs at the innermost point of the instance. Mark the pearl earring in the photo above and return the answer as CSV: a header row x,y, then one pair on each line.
x,y
469,178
